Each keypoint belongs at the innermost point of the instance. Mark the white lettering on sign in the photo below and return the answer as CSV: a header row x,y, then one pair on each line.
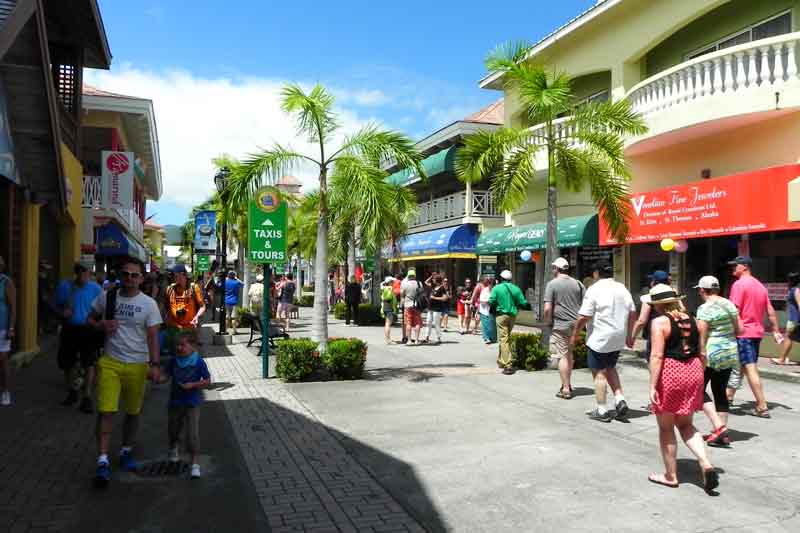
x,y
261,255
268,233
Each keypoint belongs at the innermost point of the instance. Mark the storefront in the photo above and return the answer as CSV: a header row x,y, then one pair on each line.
x,y
577,241
742,214
113,245
450,251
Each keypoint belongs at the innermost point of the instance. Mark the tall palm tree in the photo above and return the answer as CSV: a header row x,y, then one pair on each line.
x,y
359,157
581,141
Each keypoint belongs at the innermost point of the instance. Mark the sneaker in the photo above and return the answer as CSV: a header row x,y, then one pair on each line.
x,y
127,463
195,471
508,371
622,408
72,397
86,406
605,417
174,457
102,475
5,399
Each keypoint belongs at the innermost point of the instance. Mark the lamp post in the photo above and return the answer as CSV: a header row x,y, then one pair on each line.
x,y
220,181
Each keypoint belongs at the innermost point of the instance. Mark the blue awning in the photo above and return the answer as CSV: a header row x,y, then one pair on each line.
x,y
457,243
112,241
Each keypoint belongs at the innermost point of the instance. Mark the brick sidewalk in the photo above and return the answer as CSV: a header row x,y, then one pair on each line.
x,y
304,478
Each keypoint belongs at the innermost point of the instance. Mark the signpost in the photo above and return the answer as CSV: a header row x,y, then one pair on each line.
x,y
266,228
203,263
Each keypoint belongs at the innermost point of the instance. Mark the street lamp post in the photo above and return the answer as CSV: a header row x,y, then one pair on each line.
x,y
220,181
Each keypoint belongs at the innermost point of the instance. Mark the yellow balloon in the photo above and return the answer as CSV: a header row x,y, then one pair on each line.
x,y
667,245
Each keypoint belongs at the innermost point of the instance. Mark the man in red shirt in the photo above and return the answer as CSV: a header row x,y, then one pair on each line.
x,y
751,298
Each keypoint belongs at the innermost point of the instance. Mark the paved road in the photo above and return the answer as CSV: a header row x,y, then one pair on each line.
x,y
487,452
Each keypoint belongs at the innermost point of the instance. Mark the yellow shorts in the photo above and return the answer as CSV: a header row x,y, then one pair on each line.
x,y
115,379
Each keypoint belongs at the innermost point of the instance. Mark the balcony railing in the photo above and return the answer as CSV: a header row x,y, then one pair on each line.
x,y
92,198
766,63
453,207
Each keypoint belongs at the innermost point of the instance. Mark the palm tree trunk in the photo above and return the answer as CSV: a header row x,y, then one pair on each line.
x,y
319,324
551,250
351,256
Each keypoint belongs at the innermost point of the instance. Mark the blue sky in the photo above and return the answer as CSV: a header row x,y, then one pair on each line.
x,y
213,69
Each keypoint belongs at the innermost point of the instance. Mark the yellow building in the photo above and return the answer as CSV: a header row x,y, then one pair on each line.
x,y
40,114
155,238
717,83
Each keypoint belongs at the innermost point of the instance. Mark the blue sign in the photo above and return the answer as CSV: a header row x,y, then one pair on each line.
x,y
205,232
112,241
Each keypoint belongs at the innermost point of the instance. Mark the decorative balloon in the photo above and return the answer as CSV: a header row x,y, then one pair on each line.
x,y
681,246
667,245
525,255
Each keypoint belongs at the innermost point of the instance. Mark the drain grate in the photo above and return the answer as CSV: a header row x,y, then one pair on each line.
x,y
162,469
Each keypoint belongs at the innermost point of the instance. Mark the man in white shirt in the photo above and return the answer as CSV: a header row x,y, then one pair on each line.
x,y
609,305
131,355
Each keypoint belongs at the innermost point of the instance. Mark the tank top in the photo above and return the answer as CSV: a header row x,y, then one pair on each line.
x,y
791,306
684,338
3,303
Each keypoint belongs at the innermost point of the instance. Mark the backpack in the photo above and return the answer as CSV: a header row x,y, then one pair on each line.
x,y
421,301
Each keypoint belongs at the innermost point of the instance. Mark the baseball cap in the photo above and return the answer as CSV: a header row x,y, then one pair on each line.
x,y
741,260
387,280
412,272
179,269
505,274
561,263
659,276
707,282
259,278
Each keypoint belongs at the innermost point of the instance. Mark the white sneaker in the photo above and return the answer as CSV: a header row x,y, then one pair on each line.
x,y
174,457
195,471
5,399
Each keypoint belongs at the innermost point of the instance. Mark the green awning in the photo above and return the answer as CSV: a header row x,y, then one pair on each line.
x,y
443,161
573,231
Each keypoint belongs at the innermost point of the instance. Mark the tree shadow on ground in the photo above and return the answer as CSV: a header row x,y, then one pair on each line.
x,y
415,374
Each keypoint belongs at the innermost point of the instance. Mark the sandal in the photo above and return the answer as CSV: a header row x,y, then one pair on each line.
x,y
659,479
760,413
717,437
564,395
710,479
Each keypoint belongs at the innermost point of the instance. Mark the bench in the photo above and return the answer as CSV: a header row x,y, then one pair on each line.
x,y
276,330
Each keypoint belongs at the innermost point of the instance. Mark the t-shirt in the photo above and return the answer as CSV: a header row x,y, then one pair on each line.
x,y
609,304
178,397
287,292
752,300
129,342
793,313
255,296
409,290
178,298
438,306
79,299
721,347
232,288
566,295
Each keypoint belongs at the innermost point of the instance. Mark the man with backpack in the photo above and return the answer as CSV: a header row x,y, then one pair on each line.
x,y
184,305
412,294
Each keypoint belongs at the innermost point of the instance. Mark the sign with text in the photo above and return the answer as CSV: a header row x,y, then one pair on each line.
x,y
733,205
203,263
117,169
205,231
266,224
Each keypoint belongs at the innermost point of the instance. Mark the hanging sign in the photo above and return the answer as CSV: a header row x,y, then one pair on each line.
x,y
205,232
267,223
117,169
203,263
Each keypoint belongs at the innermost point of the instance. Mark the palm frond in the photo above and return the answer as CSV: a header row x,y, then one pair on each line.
x,y
483,152
260,169
506,55
381,148
543,95
607,147
616,117
313,111
509,187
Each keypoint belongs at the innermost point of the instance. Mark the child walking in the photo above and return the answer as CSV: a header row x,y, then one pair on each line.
x,y
189,374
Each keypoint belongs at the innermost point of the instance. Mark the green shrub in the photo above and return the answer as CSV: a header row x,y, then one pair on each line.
x,y
339,310
345,358
580,351
528,352
369,315
306,300
297,358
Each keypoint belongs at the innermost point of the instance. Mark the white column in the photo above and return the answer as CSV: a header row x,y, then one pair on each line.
x,y
717,85
763,72
791,65
780,70
752,69
728,81
741,77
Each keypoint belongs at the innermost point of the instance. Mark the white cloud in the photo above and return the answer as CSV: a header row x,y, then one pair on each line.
x,y
200,118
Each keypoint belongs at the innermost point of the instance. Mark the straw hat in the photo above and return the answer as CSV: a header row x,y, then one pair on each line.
x,y
661,294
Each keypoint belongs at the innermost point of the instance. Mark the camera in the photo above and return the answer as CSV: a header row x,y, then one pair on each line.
x,y
180,313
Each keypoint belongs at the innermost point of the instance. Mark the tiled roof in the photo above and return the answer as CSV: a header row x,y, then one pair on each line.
x,y
153,225
88,90
492,114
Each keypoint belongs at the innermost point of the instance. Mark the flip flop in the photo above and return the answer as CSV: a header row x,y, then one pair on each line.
x,y
658,479
710,479
776,362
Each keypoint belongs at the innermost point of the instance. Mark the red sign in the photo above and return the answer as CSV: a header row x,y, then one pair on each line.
x,y
743,203
118,163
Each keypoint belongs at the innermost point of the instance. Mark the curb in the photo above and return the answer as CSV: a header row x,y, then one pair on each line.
x,y
631,358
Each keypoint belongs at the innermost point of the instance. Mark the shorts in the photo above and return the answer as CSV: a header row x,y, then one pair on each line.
x,y
601,361
748,350
116,379
790,327
177,418
460,311
5,342
559,344
232,311
412,317
77,341
283,307
389,315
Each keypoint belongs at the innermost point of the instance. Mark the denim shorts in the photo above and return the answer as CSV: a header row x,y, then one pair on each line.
x,y
748,350
601,361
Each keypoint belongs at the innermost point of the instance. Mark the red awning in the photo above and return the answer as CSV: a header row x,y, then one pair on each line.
x,y
751,202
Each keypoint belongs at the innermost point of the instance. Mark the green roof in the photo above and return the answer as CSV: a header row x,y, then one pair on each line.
x,y
438,163
573,231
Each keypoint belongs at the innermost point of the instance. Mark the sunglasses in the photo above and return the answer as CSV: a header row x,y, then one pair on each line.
x,y
126,274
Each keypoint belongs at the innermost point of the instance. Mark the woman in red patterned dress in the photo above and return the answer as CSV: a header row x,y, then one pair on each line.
x,y
677,363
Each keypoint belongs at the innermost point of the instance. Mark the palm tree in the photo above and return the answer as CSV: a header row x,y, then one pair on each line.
x,y
582,143
359,158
